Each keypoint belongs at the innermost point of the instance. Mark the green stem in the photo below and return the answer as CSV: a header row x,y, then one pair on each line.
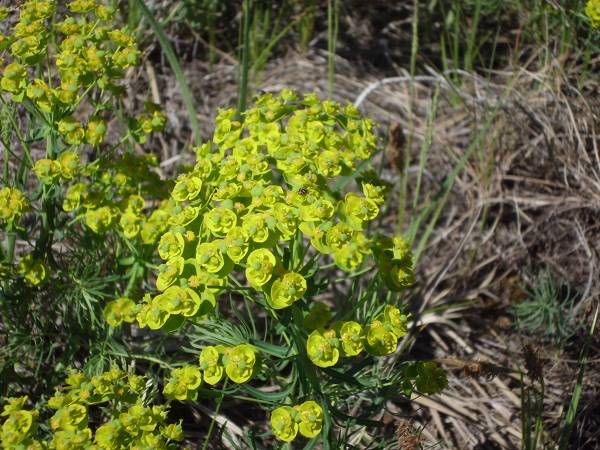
x,y
213,420
11,238
136,273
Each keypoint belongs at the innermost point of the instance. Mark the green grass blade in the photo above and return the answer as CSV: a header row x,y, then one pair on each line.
x,y
332,33
245,57
573,406
426,146
186,93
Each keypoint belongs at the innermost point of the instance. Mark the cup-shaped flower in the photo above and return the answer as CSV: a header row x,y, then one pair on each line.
x,y
351,336
380,341
239,364
210,363
130,223
226,190
358,210
286,220
120,310
317,211
14,78
399,277
169,272
209,256
255,227
134,203
338,236
310,415
171,245
71,131
109,435
69,417
268,196
322,350
13,405
394,320
47,170
374,192
95,131
328,163
220,220
349,257
74,438
152,315
236,244
286,290
13,204
187,187
178,300
260,266
73,197
16,429
69,164
172,431
34,270
183,383
139,418
99,220
401,250
283,423
184,217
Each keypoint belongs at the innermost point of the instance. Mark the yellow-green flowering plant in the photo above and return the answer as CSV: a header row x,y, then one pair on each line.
x,y
108,411
81,208
273,271
592,11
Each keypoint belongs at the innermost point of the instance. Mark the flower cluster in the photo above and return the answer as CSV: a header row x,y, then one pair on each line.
x,y
90,54
395,262
183,383
13,204
129,424
112,195
262,212
86,57
307,418
345,339
33,270
239,363
592,10
260,184
264,202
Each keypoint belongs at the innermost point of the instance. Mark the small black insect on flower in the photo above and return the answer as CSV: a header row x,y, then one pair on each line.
x,y
303,191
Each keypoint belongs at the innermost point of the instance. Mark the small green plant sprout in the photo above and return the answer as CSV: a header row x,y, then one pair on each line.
x,y
264,219
548,309
107,411
592,11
